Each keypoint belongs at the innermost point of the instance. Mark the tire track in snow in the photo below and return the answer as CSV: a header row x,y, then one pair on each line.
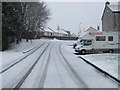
x,y
38,74
59,74
78,80
26,75
19,80
67,68
8,66
42,80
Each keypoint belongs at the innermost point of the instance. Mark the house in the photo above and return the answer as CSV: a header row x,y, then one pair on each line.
x,y
110,17
87,32
48,32
56,34
73,35
62,33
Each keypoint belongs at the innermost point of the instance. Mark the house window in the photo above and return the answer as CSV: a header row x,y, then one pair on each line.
x,y
110,38
100,38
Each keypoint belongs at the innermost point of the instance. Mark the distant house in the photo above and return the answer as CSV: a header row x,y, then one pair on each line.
x,y
110,18
90,29
88,32
55,33
48,32
73,35
62,33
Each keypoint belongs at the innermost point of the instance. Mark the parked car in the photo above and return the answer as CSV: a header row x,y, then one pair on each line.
x,y
76,43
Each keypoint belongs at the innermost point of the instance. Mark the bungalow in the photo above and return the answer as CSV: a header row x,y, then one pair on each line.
x,y
48,32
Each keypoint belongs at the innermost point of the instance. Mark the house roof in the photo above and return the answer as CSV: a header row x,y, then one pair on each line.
x,y
114,7
41,29
51,29
47,30
90,29
63,32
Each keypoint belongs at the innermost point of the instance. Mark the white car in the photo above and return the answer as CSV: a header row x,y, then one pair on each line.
x,y
76,43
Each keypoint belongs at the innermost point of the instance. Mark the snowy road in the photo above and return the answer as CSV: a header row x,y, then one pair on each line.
x,y
54,65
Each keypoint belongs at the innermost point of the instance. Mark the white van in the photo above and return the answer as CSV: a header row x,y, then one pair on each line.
x,y
98,42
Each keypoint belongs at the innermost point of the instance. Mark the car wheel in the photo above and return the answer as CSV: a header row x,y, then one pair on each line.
x,y
83,52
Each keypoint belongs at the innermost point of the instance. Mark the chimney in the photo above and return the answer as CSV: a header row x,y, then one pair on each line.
x,y
98,28
107,3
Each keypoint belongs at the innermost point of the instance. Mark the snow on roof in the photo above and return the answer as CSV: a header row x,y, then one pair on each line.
x,y
47,30
114,7
90,29
42,30
74,35
63,32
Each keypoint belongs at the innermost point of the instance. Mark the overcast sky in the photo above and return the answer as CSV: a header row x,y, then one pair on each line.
x,y
69,15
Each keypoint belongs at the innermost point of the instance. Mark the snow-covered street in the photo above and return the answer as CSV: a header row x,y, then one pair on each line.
x,y
49,64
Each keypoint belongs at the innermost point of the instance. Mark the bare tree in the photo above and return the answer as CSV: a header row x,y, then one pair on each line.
x,y
20,18
35,16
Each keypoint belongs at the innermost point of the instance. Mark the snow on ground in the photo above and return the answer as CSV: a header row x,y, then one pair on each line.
x,y
87,73
57,75
0,60
17,50
0,68
107,62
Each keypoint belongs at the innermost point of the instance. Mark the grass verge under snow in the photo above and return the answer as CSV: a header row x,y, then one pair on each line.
x,y
17,50
107,62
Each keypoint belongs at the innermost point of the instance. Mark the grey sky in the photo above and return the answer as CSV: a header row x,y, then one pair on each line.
x,y
68,15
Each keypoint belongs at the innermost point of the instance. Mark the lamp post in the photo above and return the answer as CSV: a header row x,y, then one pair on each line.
x,y
58,28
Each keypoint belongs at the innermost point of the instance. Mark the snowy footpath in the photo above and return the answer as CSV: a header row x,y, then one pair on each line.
x,y
107,62
51,64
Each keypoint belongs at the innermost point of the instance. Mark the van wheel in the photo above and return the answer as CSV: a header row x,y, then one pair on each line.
x,y
83,52
111,51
